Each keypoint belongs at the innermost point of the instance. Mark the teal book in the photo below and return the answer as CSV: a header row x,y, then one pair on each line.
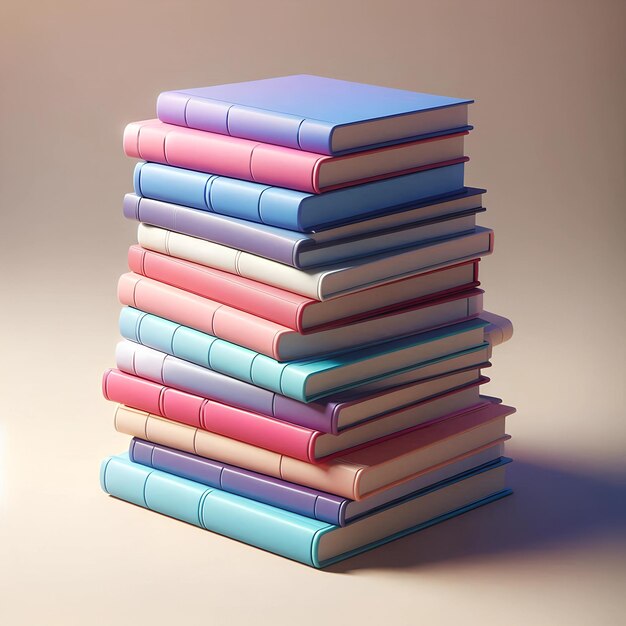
x,y
288,534
304,380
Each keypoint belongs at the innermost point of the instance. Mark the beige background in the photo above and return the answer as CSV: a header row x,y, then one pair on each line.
x,y
548,78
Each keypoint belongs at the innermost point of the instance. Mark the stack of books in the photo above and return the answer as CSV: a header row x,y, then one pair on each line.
x,y
304,337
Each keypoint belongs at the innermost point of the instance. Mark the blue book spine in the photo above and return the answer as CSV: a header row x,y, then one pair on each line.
x,y
311,503
266,527
202,349
289,209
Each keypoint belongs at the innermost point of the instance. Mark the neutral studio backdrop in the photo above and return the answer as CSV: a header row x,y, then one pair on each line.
x,y
549,145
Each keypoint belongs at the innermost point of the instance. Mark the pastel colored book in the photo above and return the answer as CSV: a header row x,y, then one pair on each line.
x,y
288,534
283,343
302,380
140,367
353,475
312,503
313,113
291,439
329,281
294,311
304,250
212,153
295,210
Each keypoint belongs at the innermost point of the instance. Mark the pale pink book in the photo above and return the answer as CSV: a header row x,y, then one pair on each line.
x,y
280,342
153,140
353,475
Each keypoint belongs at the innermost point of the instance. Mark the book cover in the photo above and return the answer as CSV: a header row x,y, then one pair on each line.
x,y
152,140
280,342
303,380
288,534
329,281
295,210
298,249
292,310
282,436
354,475
313,503
313,113
139,365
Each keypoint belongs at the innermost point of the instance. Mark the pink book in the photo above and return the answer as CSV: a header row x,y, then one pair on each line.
x,y
279,436
152,140
282,343
294,311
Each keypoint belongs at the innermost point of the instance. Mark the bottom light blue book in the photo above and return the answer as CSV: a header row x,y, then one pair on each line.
x,y
291,535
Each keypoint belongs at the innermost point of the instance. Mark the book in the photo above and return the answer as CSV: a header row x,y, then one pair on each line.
x,y
329,416
280,342
139,366
291,439
354,475
329,281
222,155
295,311
296,210
313,113
313,503
302,380
287,534
304,250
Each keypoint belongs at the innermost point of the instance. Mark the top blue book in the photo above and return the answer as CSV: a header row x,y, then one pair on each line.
x,y
315,114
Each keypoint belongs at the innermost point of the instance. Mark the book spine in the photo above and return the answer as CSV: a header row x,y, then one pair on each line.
x,y
263,241
269,528
154,398
173,184
202,314
141,361
335,477
219,194
200,348
203,114
235,423
237,120
222,155
278,306
295,498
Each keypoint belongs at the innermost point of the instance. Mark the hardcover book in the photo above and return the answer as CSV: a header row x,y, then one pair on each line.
x,y
309,250
280,342
330,416
313,503
302,380
287,534
152,140
294,440
313,113
295,311
329,281
139,364
355,474
295,210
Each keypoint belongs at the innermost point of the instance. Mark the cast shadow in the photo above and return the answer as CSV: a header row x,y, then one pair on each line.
x,y
550,507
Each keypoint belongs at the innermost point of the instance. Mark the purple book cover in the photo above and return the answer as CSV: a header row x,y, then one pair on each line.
x,y
313,503
321,415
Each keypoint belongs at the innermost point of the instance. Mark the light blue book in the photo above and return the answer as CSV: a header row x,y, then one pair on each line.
x,y
304,380
288,534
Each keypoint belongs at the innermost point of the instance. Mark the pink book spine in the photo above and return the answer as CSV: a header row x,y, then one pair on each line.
x,y
277,305
223,155
205,315
258,430
265,432
156,399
